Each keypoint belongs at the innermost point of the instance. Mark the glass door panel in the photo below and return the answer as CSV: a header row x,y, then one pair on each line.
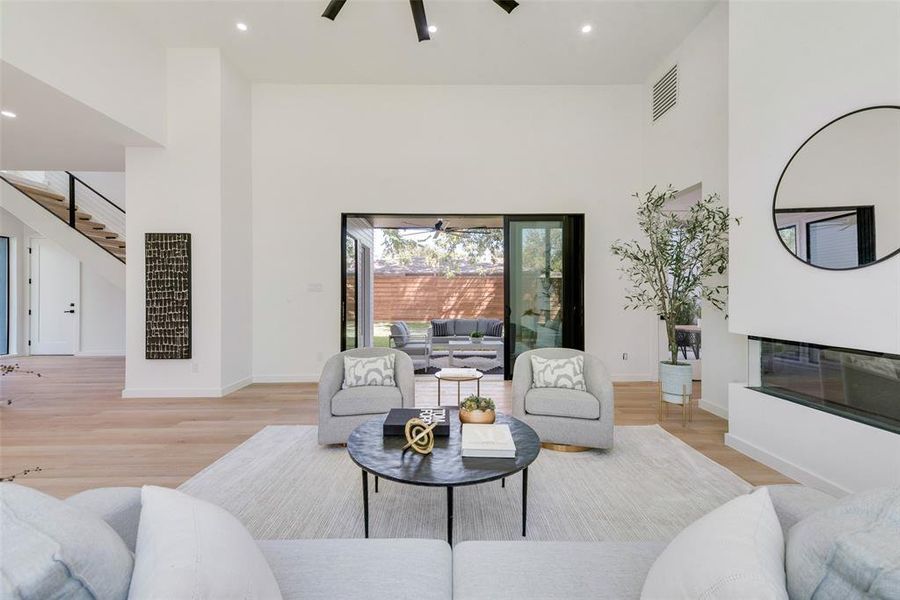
x,y
544,304
351,283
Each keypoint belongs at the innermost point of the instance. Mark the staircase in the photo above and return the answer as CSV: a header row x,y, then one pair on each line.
x,y
77,204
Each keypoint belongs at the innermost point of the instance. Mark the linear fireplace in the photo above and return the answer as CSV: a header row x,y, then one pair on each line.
x,y
859,385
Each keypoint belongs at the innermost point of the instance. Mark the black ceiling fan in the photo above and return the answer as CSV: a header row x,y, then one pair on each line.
x,y
418,11
441,226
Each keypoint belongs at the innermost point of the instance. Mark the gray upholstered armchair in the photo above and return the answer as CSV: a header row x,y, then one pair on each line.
x,y
565,416
341,410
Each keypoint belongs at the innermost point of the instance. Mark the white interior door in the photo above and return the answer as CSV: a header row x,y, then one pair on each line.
x,y
54,294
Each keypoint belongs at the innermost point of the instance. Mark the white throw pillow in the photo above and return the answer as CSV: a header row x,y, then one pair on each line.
x,y
373,370
189,548
736,551
558,372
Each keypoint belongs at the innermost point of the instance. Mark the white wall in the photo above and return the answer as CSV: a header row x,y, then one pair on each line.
x,y
794,66
816,448
102,316
778,97
236,259
689,146
321,150
89,52
109,183
197,184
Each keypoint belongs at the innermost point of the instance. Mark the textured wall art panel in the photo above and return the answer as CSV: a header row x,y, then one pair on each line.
x,y
168,266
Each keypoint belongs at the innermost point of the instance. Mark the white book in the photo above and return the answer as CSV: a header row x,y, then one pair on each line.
x,y
487,441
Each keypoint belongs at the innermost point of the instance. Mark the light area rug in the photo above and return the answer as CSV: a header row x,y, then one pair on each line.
x,y
281,484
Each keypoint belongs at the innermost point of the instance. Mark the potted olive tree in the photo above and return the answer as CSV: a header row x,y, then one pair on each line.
x,y
674,266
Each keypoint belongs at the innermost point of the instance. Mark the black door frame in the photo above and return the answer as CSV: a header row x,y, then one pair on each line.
x,y
573,272
573,282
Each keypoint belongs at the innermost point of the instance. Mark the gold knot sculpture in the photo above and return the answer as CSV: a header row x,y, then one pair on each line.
x,y
419,436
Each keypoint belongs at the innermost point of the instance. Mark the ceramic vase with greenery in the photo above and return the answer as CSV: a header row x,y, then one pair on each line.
x,y
476,336
477,409
676,264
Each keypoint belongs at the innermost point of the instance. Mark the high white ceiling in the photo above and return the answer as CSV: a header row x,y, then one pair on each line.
x,y
55,132
374,41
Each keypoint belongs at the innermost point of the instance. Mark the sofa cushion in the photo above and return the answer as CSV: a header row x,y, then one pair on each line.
x,y
441,327
850,550
354,569
491,327
551,570
368,370
558,372
120,507
794,502
465,326
366,400
733,552
51,549
558,402
190,548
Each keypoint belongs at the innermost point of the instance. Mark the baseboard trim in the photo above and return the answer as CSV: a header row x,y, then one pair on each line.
x,y
716,409
101,353
785,467
285,379
172,393
233,387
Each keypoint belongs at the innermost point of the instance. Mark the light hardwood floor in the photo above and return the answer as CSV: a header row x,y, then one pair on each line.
x,y
72,423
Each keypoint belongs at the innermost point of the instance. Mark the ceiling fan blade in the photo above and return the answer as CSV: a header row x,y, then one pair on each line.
x,y
418,11
333,8
507,5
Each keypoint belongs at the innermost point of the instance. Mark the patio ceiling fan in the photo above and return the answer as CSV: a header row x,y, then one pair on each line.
x,y
418,12
440,226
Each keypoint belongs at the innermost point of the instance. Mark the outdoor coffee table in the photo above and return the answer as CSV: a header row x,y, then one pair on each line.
x,y
475,376
445,467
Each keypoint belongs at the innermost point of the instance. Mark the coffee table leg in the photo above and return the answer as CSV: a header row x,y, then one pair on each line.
x,y
458,393
524,499
376,484
439,391
450,516
366,502
503,482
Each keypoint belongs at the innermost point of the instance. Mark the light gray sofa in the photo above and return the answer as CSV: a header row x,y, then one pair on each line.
x,y
342,410
401,569
461,329
563,416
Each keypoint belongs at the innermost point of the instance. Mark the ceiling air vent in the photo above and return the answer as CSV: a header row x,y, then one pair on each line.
x,y
665,93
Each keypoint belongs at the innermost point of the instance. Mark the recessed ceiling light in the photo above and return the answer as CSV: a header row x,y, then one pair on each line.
x,y
241,26
432,29
8,113
586,28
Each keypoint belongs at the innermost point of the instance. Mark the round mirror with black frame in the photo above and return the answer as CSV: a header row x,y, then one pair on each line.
x,y
837,202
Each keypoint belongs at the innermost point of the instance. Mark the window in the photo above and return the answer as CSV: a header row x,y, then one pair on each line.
x,y
789,237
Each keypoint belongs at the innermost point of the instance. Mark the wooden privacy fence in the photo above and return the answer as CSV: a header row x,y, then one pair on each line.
x,y
426,297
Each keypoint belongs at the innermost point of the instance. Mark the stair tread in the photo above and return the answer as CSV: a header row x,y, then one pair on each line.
x,y
36,190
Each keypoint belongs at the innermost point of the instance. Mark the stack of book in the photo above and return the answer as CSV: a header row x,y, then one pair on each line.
x,y
458,372
487,441
395,422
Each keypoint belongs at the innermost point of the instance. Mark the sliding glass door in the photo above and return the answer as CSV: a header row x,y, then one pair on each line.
x,y
544,284
350,320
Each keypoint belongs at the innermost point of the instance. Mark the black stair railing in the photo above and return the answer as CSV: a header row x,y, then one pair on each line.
x,y
72,209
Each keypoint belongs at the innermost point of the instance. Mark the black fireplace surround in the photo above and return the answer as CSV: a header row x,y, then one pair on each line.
x,y
859,385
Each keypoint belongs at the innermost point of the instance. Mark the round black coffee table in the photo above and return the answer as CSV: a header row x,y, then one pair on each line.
x,y
382,456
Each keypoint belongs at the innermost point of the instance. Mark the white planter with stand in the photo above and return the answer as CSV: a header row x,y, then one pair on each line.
x,y
676,386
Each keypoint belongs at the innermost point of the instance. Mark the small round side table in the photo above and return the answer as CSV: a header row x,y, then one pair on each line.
x,y
476,377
